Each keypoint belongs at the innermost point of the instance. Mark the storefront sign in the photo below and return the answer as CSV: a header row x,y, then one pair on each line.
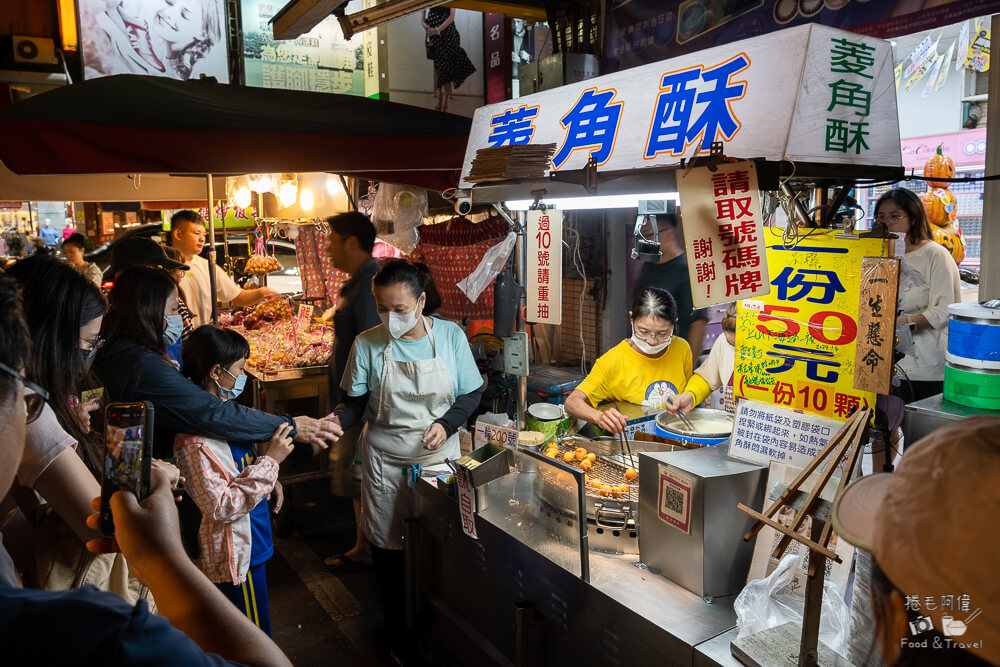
x,y
466,501
544,267
723,229
737,94
796,346
966,148
764,433
496,47
373,43
637,32
674,499
497,435
876,324
11,205
320,61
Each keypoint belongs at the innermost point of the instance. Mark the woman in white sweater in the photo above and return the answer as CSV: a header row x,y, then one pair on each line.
x,y
928,284
716,371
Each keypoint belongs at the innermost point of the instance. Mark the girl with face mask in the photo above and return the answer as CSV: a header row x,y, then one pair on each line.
x,y
645,369
231,481
414,382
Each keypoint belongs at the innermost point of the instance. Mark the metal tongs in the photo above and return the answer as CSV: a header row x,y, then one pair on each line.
x,y
625,446
687,422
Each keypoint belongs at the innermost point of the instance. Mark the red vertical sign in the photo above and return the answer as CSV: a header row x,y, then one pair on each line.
x,y
496,53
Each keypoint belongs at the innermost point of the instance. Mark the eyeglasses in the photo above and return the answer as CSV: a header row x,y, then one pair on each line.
x,y
894,217
95,345
649,337
32,402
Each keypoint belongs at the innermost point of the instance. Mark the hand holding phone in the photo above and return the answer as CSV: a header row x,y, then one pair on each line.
x,y
128,435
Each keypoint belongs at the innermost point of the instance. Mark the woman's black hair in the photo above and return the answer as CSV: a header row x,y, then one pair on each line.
x,y
433,296
137,302
920,226
77,240
15,342
654,302
399,271
209,345
58,301
914,656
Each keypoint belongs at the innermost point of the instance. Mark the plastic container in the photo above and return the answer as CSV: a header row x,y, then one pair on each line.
x,y
973,387
548,384
974,332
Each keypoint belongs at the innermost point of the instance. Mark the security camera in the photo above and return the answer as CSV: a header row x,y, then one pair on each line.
x,y
463,205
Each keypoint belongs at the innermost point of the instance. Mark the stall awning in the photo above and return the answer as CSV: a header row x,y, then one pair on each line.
x,y
807,96
153,125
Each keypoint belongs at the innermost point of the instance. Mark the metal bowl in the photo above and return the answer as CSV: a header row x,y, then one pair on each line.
x,y
705,422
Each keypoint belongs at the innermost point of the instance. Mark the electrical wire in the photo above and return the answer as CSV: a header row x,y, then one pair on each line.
x,y
572,231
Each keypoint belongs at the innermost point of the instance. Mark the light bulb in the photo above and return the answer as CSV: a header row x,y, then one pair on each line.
x,y
243,196
306,199
287,194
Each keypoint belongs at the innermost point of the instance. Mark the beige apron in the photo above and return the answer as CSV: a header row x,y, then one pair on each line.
x,y
412,395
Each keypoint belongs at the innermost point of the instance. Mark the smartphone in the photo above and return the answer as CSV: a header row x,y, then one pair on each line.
x,y
128,447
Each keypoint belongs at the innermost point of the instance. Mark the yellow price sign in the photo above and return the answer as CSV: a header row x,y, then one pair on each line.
x,y
796,345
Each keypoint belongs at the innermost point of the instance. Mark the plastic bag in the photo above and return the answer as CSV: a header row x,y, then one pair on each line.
x,y
769,602
488,269
397,212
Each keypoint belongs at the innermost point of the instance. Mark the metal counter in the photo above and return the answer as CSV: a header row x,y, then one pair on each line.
x,y
514,596
929,414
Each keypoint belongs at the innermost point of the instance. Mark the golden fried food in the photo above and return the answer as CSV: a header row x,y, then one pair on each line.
x,y
591,457
551,453
586,464
581,453
631,474
568,457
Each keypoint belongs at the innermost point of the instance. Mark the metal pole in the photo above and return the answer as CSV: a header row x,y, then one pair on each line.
x,y
521,266
989,280
211,250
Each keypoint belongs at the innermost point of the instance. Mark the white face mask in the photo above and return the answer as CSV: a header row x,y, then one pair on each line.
x,y
400,324
646,348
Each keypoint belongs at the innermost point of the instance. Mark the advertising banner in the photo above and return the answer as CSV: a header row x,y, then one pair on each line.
x,y
544,267
796,346
841,110
320,61
724,233
642,31
178,40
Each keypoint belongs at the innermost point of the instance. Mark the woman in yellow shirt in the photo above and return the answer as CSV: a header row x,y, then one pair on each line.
x,y
645,369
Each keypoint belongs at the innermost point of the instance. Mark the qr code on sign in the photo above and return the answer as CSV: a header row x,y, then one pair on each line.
x,y
673,500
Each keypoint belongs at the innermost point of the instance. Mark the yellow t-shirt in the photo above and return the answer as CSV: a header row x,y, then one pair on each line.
x,y
623,374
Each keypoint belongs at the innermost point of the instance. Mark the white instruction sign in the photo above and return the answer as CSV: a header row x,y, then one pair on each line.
x,y
544,236
497,435
764,433
466,502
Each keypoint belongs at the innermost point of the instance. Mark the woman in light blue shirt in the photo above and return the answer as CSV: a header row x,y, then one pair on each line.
x,y
414,382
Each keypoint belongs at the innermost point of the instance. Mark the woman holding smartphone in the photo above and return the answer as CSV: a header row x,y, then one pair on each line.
x,y
57,476
231,481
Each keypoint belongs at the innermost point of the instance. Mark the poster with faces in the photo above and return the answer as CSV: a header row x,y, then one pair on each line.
x,y
179,39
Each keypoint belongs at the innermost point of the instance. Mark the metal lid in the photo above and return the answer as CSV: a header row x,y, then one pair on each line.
x,y
974,311
970,363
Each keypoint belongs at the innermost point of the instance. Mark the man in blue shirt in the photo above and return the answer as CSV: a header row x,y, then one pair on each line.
x,y
196,625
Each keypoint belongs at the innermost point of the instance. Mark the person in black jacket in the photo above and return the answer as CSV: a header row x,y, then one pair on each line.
x,y
141,322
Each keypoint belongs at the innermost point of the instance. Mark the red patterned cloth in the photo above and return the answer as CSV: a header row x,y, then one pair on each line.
x,y
461,232
449,265
319,278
